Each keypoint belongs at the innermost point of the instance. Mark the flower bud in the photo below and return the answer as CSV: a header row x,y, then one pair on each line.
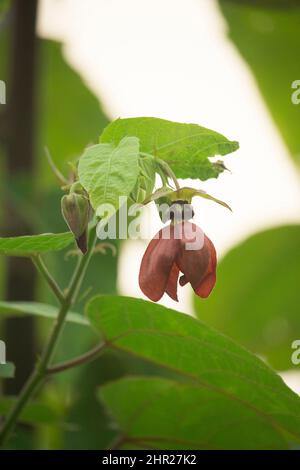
x,y
76,212
77,188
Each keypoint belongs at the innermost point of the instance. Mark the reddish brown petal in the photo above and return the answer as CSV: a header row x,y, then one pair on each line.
x,y
198,266
156,265
208,282
171,288
206,285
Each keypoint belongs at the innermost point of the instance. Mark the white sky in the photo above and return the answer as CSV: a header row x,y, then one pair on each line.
x,y
171,59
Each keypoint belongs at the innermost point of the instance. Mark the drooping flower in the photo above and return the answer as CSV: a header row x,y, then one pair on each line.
x,y
178,248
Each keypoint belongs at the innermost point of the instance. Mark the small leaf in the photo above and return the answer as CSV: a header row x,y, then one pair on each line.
x,y
30,245
7,371
183,194
189,193
186,147
230,394
38,309
108,171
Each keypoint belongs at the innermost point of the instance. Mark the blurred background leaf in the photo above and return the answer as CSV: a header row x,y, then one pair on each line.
x,y
34,413
7,370
257,298
266,34
70,116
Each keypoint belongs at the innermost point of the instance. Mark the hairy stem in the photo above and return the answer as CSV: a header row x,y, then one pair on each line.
x,y
40,371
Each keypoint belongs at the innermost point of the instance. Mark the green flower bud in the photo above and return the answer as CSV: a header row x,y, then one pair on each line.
x,y
77,188
76,212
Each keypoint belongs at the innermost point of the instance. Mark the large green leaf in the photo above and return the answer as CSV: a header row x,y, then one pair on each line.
x,y
7,371
209,367
266,34
30,245
186,147
38,309
108,171
257,299
165,414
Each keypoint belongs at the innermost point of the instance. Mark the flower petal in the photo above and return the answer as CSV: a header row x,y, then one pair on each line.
x,y
157,264
198,265
208,282
171,288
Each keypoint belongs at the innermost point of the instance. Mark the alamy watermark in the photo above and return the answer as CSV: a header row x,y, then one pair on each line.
x,y
125,222
2,352
296,94
296,354
2,92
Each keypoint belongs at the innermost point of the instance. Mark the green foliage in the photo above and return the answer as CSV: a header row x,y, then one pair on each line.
x,y
34,413
31,245
257,300
4,6
7,371
186,147
184,194
215,376
268,39
38,309
108,171
164,414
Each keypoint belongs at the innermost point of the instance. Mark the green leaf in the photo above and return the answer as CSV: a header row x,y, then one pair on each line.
x,y
108,171
165,414
38,309
7,371
30,245
229,387
184,194
256,300
186,147
33,413
146,179
266,35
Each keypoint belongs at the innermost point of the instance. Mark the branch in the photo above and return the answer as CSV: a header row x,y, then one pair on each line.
x,y
40,371
78,361
41,267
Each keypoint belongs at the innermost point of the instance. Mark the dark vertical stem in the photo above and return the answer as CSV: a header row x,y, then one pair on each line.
x,y
19,145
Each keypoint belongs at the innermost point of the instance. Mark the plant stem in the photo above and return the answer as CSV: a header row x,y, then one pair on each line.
x,y
165,167
54,168
41,267
40,371
78,361
169,172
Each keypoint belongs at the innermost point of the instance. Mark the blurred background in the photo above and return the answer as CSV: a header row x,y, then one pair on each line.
x,y
70,67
